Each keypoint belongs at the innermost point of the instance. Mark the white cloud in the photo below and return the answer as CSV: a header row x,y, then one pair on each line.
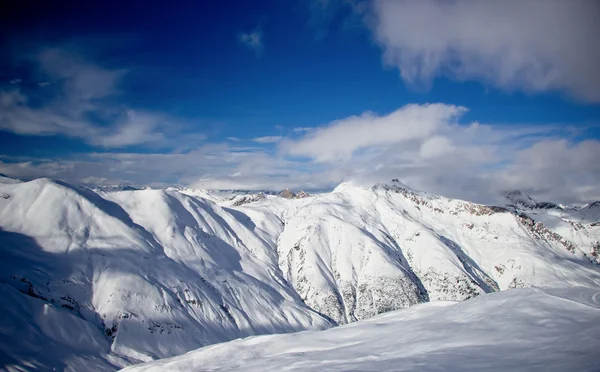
x,y
253,40
436,146
302,129
82,80
268,139
426,148
137,128
17,116
433,153
340,139
530,45
422,145
557,169
81,91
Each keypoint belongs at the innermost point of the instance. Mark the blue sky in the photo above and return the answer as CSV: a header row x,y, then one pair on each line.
x,y
274,94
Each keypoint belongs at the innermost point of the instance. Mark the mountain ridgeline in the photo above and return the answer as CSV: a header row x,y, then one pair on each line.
x,y
140,274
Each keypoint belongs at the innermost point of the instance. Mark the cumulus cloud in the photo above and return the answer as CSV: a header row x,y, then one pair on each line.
x,y
428,148
252,40
82,102
435,147
529,45
340,139
557,169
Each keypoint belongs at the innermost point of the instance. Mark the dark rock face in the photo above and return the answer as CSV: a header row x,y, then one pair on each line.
x,y
288,194
520,199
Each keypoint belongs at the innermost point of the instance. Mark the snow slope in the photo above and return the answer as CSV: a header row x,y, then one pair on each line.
x,y
518,330
139,275
37,335
155,273
580,226
358,252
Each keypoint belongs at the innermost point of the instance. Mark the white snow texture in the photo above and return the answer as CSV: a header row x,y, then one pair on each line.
x,y
518,330
99,280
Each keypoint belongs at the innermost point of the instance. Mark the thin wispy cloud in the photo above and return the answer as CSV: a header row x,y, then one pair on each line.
x,y
267,139
252,40
83,103
302,129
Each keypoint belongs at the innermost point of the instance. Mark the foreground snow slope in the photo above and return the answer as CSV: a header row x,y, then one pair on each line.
x,y
517,330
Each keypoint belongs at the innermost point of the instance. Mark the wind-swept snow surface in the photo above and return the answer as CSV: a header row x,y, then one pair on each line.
x,y
518,330
121,277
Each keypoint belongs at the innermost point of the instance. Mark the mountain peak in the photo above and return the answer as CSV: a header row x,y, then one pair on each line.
x,y
289,194
519,198
592,205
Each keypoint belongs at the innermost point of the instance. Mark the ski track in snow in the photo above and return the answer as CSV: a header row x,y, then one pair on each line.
x,y
148,274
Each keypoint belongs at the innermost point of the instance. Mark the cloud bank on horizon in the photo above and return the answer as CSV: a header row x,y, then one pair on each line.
x,y
530,46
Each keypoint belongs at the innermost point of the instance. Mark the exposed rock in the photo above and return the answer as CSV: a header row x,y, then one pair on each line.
x,y
287,193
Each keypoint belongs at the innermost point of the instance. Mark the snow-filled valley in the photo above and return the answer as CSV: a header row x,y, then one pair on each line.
x,y
99,280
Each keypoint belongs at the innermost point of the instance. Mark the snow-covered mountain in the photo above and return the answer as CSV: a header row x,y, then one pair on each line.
x,y
577,225
106,279
148,274
358,252
112,188
520,330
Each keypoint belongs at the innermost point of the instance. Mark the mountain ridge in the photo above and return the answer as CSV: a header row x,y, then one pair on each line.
x,y
155,273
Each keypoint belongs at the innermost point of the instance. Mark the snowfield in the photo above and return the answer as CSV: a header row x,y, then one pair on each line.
x,y
518,330
95,280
